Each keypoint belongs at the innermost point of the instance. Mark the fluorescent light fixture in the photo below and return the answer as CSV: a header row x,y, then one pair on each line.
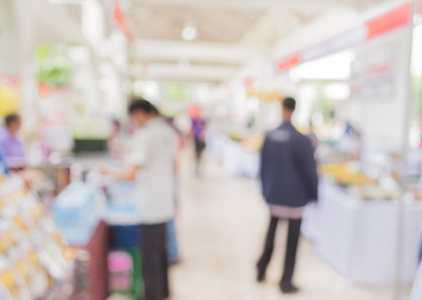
x,y
189,32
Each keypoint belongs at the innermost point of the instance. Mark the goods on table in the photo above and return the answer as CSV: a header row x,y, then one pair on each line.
x,y
361,185
347,175
253,143
77,213
33,254
249,140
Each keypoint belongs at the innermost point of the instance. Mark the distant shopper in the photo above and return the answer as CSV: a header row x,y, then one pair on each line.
x,y
199,126
152,167
115,140
312,136
11,147
289,181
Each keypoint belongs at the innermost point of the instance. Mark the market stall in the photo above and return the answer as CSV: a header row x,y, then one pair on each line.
x,y
99,216
78,212
237,158
358,238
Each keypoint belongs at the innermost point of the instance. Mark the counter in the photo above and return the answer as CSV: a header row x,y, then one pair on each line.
x,y
358,239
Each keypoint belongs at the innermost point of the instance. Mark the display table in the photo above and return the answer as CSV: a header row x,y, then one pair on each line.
x,y
234,157
78,212
98,247
416,293
358,239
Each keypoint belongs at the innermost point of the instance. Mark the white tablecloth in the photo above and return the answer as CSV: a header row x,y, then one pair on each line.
x,y
416,293
235,159
358,238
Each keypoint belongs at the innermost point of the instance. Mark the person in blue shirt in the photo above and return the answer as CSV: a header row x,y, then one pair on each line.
x,y
289,181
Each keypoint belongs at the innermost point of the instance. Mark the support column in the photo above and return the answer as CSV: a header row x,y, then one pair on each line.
x,y
27,67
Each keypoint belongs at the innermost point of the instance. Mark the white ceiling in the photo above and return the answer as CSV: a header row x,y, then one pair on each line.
x,y
230,32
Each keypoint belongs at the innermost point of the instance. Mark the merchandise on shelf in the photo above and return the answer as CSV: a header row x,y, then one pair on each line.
x,y
33,254
77,212
351,176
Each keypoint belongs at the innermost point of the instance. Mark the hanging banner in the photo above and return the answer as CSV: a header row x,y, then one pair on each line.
x,y
394,19
120,19
290,62
391,21
118,16
340,42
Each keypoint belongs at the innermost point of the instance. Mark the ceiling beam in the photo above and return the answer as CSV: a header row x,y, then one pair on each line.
x,y
150,50
55,21
204,73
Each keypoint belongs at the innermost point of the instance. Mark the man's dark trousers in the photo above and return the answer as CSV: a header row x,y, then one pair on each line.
x,y
291,249
154,261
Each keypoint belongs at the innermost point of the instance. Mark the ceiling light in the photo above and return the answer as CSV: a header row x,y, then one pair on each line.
x,y
189,32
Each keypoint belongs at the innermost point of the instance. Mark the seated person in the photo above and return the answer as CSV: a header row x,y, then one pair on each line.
x,y
11,147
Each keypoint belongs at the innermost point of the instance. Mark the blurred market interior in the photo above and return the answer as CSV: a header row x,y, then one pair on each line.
x,y
218,71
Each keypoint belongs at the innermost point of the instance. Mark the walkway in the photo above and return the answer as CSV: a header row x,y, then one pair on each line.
x,y
222,221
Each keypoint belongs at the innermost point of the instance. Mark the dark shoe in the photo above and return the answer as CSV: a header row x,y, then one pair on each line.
x,y
288,288
261,276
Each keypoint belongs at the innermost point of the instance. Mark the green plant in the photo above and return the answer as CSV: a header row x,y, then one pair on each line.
x,y
54,65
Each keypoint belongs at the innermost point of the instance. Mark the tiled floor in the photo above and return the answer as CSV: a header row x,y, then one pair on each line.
x,y
221,222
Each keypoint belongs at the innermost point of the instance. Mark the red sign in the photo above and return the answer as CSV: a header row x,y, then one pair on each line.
x,y
120,19
289,63
389,22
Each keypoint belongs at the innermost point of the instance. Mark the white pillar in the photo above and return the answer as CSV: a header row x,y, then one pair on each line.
x,y
25,49
9,58
93,20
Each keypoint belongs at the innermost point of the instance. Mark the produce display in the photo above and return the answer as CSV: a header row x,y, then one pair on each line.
x,y
250,141
347,175
359,184
253,143
33,254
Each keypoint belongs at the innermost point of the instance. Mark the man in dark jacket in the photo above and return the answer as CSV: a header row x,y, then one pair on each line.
x,y
289,181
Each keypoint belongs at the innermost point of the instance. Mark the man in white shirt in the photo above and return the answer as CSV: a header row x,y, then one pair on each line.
x,y
152,168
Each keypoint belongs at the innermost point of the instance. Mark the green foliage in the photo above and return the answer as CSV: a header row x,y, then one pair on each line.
x,y
54,65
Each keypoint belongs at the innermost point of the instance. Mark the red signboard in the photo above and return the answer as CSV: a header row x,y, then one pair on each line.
x,y
388,22
120,19
288,63
393,20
